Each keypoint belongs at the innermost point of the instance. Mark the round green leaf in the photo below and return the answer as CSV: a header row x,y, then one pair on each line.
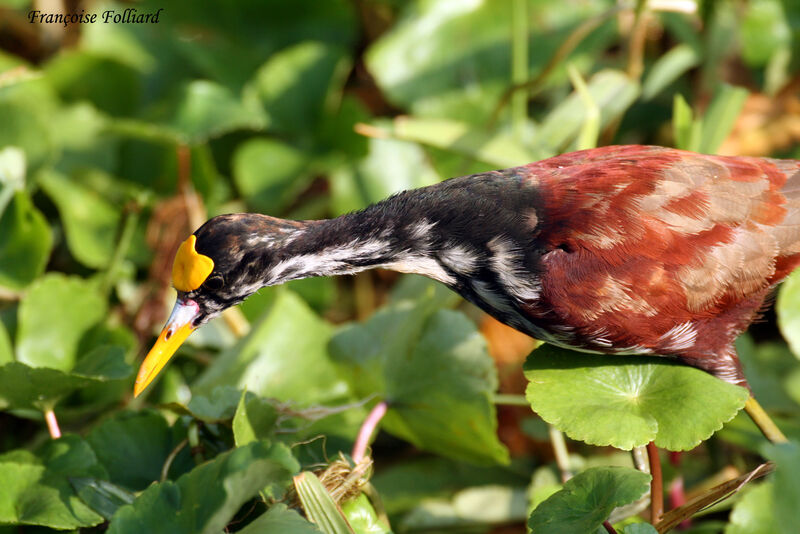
x,y
628,401
36,488
788,309
254,420
204,500
786,486
54,315
588,499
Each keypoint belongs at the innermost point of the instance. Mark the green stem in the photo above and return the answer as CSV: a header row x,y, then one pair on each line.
x,y
510,400
519,65
124,243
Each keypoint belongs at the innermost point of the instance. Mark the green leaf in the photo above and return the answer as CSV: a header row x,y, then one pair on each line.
x,y
454,59
611,90
588,499
668,68
25,242
786,486
788,309
284,357
202,110
319,505
768,366
26,109
498,149
134,446
362,517
628,401
254,420
6,351
269,173
279,520
204,500
47,335
753,513
764,30
111,86
294,83
41,388
640,528
721,116
686,130
103,497
480,505
432,367
36,488
90,221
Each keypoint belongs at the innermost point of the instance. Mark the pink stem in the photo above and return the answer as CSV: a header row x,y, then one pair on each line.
x,y
52,424
677,494
367,429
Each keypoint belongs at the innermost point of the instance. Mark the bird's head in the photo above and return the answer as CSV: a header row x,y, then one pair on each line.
x,y
219,265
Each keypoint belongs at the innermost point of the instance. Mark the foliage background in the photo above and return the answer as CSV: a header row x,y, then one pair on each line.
x,y
117,140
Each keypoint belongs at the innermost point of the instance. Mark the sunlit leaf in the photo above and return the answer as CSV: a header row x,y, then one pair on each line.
x,y
721,116
36,488
788,309
47,336
628,401
668,68
588,499
765,30
432,368
294,83
204,500
612,91
254,420
362,516
319,505
284,356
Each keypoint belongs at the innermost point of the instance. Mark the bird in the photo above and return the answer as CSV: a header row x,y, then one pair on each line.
x,y
627,249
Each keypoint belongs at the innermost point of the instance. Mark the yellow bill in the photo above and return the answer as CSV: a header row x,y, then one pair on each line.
x,y
178,327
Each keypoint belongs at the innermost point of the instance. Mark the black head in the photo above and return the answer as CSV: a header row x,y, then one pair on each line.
x,y
219,265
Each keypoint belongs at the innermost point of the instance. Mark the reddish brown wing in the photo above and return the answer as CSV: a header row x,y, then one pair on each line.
x,y
665,250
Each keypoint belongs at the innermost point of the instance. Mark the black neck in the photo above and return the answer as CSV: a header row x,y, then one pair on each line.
x,y
441,231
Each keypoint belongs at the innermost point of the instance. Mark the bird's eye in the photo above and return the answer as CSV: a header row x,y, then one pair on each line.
x,y
214,282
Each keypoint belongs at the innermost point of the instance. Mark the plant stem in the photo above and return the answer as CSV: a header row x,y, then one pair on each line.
x,y
561,452
52,423
510,400
367,429
609,528
171,458
519,66
656,484
636,43
674,517
763,421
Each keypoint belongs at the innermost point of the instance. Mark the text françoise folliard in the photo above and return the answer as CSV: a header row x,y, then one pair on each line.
x,y
109,16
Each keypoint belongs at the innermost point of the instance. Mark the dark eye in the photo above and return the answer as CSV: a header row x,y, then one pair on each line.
x,y
214,282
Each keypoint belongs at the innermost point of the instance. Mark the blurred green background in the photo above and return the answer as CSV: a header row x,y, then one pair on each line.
x,y
117,140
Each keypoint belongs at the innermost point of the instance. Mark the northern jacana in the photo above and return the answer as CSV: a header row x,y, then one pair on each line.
x,y
622,249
